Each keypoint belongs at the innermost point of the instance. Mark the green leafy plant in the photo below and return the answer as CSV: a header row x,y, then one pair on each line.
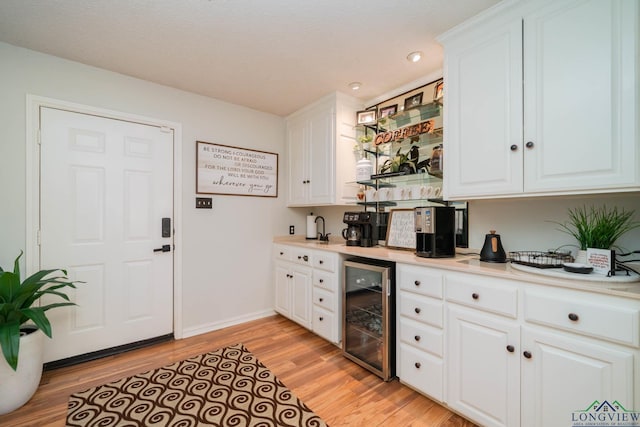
x,y
598,227
399,163
17,304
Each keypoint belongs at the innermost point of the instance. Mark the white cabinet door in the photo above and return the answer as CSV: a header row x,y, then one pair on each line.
x,y
580,92
564,375
283,289
483,367
320,138
321,157
301,296
483,118
298,141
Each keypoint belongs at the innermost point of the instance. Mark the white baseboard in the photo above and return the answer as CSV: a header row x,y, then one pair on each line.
x,y
203,329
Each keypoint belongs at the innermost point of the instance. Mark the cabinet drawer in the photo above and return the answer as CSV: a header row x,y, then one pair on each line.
x,y
325,280
324,298
422,309
489,294
422,336
325,261
579,313
302,256
282,252
421,371
422,280
324,323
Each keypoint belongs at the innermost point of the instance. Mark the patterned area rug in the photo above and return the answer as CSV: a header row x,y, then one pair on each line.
x,y
228,387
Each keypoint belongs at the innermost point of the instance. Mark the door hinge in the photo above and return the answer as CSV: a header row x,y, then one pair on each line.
x,y
38,238
39,137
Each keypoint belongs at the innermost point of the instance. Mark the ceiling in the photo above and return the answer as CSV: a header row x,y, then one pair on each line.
x,y
274,56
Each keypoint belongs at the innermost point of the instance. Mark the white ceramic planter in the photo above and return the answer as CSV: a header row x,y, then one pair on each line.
x,y
17,387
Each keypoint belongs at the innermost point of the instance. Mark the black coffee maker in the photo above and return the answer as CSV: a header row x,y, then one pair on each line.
x,y
435,231
365,228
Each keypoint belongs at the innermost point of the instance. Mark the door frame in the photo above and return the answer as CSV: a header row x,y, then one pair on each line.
x,y
32,190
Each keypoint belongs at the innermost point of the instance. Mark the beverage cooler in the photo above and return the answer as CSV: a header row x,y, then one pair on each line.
x,y
368,331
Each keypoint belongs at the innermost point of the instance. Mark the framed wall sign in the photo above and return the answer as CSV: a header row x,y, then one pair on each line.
x,y
227,170
401,232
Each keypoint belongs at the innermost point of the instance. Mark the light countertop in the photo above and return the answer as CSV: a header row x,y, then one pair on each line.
x,y
469,263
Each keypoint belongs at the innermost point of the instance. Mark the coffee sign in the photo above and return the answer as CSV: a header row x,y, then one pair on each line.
x,y
406,132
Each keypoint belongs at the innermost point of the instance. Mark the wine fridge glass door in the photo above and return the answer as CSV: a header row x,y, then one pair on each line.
x,y
366,317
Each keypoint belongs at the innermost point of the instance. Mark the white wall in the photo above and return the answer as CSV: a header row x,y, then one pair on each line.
x,y
523,223
226,253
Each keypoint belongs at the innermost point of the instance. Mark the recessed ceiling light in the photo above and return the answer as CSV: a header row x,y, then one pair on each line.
x,y
355,85
414,56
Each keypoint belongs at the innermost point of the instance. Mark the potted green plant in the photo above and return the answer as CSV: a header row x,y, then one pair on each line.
x,y
22,323
399,163
598,228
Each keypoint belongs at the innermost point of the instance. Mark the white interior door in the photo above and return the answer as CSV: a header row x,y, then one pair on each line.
x,y
105,186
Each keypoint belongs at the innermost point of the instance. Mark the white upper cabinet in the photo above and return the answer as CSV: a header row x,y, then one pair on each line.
x,y
542,98
321,161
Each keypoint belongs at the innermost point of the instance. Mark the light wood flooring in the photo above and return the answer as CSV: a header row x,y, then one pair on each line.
x,y
339,391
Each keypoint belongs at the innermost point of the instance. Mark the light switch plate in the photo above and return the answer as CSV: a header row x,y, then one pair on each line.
x,y
204,203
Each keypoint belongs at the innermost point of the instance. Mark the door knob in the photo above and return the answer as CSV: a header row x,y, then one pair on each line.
x,y
164,248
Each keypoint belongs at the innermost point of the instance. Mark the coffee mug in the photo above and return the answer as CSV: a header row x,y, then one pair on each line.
x,y
426,191
398,193
372,195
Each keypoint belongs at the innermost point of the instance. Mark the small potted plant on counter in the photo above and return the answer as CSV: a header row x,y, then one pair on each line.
x,y
597,228
22,324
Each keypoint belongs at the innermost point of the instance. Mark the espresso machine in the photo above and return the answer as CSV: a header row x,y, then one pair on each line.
x,y
435,228
365,228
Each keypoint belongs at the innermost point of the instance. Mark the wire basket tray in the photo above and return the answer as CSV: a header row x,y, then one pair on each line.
x,y
539,259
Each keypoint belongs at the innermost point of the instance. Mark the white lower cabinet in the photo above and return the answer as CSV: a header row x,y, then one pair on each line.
x,y
293,286
562,375
307,289
420,337
483,337
510,353
483,367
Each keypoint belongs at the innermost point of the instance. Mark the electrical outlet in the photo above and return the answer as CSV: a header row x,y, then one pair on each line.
x,y
292,229
204,203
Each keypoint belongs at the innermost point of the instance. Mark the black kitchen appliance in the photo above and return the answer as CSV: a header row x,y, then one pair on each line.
x,y
372,227
435,228
368,309
492,250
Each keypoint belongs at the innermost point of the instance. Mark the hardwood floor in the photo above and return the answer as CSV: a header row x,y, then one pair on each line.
x,y
339,391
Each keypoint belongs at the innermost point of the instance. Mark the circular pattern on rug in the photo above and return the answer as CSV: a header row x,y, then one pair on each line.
x,y
228,387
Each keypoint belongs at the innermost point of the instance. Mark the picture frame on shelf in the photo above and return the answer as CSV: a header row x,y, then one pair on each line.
x,y
439,91
366,117
413,101
389,110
